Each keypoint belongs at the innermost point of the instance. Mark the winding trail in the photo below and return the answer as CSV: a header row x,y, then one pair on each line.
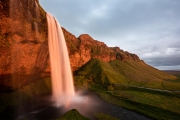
x,y
164,90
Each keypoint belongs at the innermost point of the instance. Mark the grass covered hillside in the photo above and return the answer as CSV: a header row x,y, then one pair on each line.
x,y
127,73
133,85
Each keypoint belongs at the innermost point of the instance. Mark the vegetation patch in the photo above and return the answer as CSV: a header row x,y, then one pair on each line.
x,y
102,116
73,115
128,73
151,111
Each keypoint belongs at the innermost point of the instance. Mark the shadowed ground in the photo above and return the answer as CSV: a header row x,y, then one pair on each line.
x,y
42,107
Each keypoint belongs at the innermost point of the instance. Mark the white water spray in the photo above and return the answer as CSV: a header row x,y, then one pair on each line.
x,y
62,81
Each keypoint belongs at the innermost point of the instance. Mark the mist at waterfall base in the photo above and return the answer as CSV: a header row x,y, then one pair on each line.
x,y
44,107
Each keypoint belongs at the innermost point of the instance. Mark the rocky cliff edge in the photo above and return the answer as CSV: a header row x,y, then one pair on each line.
x,y
84,48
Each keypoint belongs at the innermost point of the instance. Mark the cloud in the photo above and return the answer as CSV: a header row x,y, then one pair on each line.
x,y
163,59
148,28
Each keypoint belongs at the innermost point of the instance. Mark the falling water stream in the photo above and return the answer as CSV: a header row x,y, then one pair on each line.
x,y
62,81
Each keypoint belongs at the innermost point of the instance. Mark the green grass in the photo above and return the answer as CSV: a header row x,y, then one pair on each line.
x,y
142,74
126,73
102,116
157,100
100,73
36,88
150,104
73,115
125,83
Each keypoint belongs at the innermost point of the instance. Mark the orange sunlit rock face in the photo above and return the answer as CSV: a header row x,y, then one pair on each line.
x,y
23,42
84,48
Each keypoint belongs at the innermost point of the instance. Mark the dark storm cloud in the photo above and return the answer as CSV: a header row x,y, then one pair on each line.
x,y
149,28
159,57
165,62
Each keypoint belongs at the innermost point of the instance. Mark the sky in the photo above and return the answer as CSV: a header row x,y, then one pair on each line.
x,y
148,28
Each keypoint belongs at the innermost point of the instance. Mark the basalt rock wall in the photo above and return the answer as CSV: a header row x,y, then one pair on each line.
x,y
84,48
23,42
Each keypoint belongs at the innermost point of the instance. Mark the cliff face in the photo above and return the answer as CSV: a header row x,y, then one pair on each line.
x,y
24,55
84,48
23,42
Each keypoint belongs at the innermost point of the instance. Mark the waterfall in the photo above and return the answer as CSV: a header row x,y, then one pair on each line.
x,y
61,74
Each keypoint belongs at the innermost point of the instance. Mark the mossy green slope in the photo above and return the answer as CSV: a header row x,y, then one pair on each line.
x,y
129,73
102,116
96,71
133,85
73,115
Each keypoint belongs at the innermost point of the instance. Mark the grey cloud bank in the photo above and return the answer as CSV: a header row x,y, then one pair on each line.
x,y
148,28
